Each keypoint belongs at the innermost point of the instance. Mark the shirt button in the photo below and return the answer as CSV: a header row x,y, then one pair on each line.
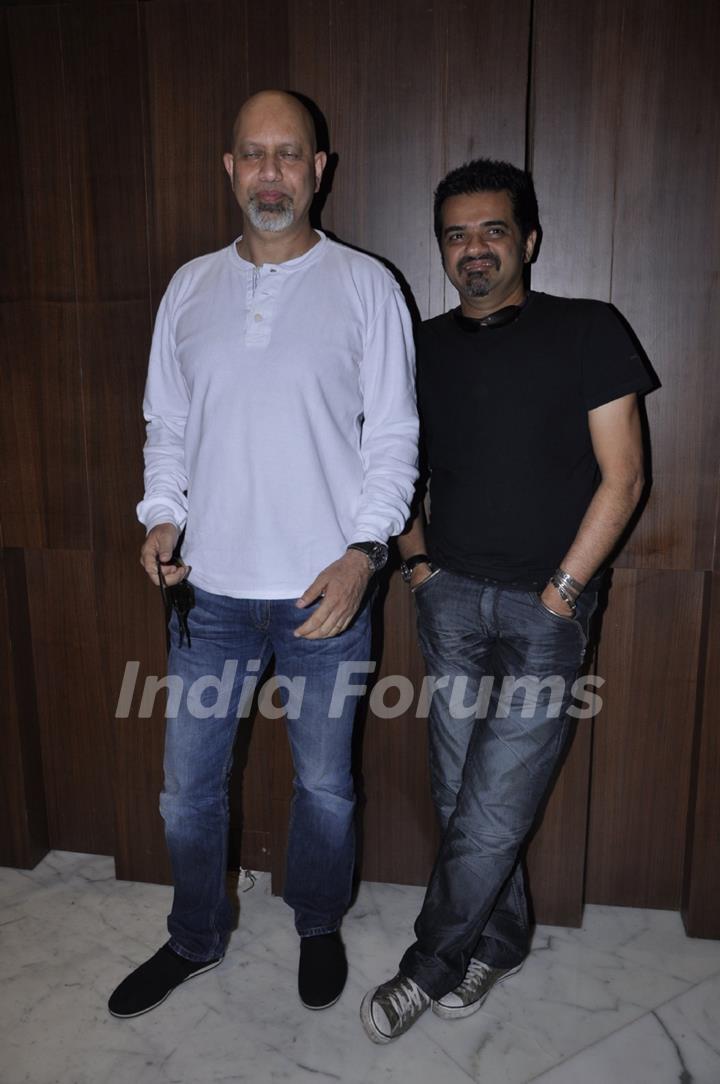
x,y
258,317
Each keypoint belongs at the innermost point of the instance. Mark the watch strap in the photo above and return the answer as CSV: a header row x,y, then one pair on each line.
x,y
376,553
407,566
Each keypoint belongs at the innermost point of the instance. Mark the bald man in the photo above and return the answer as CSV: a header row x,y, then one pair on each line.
x,y
282,438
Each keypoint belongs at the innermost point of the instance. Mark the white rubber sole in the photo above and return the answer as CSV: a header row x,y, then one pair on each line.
x,y
319,1008
372,1030
132,1015
459,1013
369,1024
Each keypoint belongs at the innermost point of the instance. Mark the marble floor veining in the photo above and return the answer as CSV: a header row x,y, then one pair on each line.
x,y
628,999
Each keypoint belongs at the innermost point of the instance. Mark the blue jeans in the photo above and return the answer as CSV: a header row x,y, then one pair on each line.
x,y
198,758
491,769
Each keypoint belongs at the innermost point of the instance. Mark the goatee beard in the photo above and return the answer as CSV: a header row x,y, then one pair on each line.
x,y
477,285
271,217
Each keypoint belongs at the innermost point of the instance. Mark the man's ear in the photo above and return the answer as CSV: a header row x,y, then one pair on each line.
x,y
530,242
320,163
229,163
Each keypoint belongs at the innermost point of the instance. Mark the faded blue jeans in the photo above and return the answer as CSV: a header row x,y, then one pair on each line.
x,y
232,641
490,769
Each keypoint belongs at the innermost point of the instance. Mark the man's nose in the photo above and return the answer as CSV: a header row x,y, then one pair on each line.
x,y
270,167
475,242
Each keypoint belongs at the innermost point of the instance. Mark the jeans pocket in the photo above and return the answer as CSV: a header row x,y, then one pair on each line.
x,y
540,605
557,621
435,575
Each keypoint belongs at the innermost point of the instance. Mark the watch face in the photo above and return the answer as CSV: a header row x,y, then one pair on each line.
x,y
376,553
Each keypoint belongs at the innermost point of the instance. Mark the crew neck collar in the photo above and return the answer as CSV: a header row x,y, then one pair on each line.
x,y
507,316
296,264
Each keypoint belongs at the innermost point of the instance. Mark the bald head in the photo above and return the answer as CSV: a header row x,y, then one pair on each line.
x,y
273,108
275,168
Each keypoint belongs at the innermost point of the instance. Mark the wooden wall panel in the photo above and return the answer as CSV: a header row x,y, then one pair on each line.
x,y
267,51
114,339
23,816
399,829
44,477
115,119
701,886
41,128
570,149
101,58
489,121
487,82
196,79
14,252
21,478
69,676
556,855
665,280
397,834
485,91
131,630
384,123
384,127
643,738
572,139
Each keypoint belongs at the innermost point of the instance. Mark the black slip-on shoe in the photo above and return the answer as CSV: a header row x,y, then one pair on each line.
x,y
323,970
148,985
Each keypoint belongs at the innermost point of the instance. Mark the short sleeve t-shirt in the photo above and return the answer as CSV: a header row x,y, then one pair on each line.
x,y
505,418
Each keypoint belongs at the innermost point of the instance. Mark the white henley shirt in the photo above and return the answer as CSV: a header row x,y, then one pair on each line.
x,y
281,416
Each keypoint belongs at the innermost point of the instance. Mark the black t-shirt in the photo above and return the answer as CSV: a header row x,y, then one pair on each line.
x,y
504,413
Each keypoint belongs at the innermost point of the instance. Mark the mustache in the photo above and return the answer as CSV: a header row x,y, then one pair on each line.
x,y
260,203
480,256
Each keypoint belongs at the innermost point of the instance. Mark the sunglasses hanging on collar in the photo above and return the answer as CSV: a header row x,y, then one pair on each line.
x,y
496,319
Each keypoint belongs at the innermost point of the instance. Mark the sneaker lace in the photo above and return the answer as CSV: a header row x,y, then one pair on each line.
x,y
406,998
476,974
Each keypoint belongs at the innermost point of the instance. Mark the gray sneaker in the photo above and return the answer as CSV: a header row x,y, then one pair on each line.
x,y
468,997
392,1008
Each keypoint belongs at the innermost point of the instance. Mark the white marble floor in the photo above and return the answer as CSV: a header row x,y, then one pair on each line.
x,y
629,998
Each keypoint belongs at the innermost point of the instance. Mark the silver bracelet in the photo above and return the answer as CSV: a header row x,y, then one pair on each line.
x,y
554,612
565,596
561,578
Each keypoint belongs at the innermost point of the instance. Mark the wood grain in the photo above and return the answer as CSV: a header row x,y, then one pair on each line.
x,y
196,78
44,472
114,340
23,816
394,786
701,883
42,133
74,728
103,86
131,629
14,252
572,143
556,853
384,120
665,265
485,91
643,738
114,119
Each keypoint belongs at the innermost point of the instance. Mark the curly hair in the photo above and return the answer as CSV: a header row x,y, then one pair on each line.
x,y
488,175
